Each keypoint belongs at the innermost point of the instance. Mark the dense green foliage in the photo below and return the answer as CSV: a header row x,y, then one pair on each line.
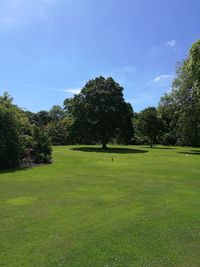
x,y
21,143
142,209
180,109
59,131
42,146
150,124
10,139
100,112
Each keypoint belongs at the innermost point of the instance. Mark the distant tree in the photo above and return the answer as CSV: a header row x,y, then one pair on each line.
x,y
68,106
59,131
138,138
167,111
56,113
149,124
6,99
99,111
41,118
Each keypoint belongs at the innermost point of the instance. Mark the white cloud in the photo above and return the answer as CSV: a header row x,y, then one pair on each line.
x,y
161,78
72,90
171,43
61,90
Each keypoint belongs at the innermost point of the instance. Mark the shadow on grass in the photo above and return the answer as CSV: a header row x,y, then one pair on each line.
x,y
23,168
13,170
191,152
113,150
157,147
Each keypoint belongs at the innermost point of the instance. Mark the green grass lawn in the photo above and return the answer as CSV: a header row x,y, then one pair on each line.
x,y
141,209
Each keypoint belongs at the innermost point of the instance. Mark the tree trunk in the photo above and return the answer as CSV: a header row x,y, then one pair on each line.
x,y
151,143
104,145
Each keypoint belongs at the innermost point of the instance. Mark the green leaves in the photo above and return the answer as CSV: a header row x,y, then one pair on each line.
x,y
182,106
20,141
99,111
10,139
150,124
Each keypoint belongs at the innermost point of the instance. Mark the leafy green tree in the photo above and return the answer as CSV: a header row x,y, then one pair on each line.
x,y
41,146
59,131
99,111
167,112
138,138
41,118
126,131
20,142
149,124
10,141
183,103
6,99
56,113
186,88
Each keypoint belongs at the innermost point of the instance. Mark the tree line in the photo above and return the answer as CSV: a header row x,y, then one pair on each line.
x,y
21,142
99,114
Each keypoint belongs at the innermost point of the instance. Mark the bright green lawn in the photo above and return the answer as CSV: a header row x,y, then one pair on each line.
x,y
142,209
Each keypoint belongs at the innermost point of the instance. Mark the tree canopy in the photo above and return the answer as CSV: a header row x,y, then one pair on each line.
x,y
10,141
100,111
182,105
20,141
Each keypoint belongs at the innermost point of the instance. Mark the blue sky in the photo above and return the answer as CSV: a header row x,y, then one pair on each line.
x,y
50,48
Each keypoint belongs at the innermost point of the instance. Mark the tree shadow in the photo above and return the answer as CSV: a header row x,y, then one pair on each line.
x,y
195,151
157,147
191,152
23,168
13,170
114,150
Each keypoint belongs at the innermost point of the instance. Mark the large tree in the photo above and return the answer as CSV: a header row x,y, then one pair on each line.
x,y
10,140
100,111
182,105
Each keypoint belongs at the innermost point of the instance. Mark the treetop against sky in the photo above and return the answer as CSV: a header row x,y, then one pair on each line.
x,y
50,48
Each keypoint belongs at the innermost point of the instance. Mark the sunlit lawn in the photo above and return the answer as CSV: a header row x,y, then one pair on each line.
x,y
140,209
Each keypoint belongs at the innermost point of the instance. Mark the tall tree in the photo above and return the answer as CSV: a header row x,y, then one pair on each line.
x,y
100,111
149,124
187,90
167,111
185,99
10,141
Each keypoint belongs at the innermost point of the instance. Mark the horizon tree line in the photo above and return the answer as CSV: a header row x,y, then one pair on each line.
x,y
100,115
